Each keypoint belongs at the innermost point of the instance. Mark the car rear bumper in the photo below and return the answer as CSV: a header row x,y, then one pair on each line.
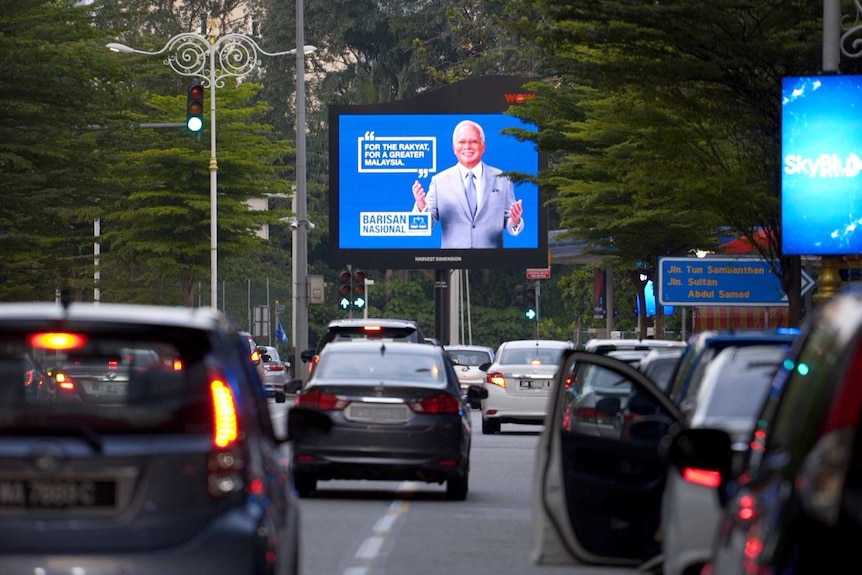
x,y
228,545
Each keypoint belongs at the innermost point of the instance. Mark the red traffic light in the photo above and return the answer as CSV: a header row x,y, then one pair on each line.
x,y
359,277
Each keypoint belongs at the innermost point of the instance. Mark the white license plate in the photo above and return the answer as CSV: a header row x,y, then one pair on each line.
x,y
535,383
386,413
32,493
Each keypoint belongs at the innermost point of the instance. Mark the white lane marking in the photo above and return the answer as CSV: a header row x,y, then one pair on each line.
x,y
370,548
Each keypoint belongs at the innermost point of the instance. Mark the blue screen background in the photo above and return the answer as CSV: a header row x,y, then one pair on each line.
x,y
391,191
821,212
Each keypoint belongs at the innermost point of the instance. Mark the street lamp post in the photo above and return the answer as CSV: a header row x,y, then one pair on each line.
x,y
300,248
212,59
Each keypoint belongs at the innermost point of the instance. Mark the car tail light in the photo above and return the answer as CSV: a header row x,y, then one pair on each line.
x,y
64,382
443,403
226,465
702,477
372,328
496,378
274,367
29,377
313,397
57,340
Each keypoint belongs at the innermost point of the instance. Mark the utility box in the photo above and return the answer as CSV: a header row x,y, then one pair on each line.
x,y
315,289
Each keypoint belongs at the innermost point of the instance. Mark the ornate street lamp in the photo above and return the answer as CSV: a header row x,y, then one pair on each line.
x,y
212,59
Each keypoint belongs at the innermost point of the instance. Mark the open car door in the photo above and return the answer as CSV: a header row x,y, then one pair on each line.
x,y
599,476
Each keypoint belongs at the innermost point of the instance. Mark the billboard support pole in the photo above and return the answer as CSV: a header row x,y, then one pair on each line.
x,y
441,305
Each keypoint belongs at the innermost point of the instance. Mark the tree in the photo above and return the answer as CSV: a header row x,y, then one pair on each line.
x,y
710,109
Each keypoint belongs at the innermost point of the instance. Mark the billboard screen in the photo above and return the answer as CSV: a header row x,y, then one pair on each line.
x,y
400,182
821,175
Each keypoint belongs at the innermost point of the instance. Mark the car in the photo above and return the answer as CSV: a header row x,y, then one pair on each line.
x,y
166,462
704,345
733,387
591,386
274,369
467,359
360,329
660,363
254,354
793,504
396,414
518,382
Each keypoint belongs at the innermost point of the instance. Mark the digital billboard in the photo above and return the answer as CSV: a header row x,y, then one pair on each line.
x,y
821,172
424,182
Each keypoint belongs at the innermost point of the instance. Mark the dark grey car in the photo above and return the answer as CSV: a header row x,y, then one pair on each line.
x,y
396,414
158,455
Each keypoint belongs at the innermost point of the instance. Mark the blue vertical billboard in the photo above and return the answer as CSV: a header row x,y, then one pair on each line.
x,y
821,175
436,182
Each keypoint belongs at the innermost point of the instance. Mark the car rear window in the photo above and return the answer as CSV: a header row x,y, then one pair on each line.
x,y
473,358
527,356
110,383
360,365
360,333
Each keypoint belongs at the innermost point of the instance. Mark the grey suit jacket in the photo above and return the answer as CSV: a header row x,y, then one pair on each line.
x,y
447,203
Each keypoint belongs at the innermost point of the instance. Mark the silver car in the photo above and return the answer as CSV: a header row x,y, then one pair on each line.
x,y
519,381
467,360
275,370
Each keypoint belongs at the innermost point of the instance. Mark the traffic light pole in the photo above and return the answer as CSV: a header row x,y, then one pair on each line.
x,y
538,300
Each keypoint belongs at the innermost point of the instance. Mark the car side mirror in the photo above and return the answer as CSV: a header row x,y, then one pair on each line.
x,y
485,366
306,355
280,396
608,405
293,385
306,422
702,449
266,357
476,392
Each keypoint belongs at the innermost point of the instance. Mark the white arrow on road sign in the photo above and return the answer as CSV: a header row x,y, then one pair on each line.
x,y
807,282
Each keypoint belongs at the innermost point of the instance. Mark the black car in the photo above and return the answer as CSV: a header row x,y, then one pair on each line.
x,y
794,504
361,329
158,456
396,414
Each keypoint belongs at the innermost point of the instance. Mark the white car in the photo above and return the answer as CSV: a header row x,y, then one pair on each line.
x,y
467,359
519,381
728,397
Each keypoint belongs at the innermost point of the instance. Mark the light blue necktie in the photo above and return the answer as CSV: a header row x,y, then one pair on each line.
x,y
471,193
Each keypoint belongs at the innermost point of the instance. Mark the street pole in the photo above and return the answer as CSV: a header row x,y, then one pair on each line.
x,y
212,59
300,286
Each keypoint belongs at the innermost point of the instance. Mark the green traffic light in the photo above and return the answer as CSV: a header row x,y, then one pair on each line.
x,y
530,314
195,124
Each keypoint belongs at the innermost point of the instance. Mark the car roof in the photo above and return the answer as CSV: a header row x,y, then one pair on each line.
x,y
371,346
468,347
606,345
358,322
199,318
529,343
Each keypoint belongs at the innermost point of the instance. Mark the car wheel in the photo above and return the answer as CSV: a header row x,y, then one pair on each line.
x,y
305,483
490,426
456,487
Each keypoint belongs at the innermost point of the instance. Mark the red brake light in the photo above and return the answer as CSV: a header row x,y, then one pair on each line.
x,y
64,382
313,363
226,427
374,328
443,403
57,340
313,397
274,367
701,477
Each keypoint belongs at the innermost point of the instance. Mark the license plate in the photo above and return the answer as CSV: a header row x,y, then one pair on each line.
x,y
387,413
110,388
535,384
31,493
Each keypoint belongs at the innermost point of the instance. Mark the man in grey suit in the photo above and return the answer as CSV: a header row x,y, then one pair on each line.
x,y
472,201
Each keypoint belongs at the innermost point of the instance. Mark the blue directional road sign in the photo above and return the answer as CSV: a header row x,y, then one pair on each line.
x,y
719,281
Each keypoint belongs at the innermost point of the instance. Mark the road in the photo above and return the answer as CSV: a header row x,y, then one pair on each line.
x,y
408,528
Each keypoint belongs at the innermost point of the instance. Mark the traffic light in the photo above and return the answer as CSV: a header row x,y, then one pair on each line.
x,y
530,302
359,289
345,289
195,108
519,294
